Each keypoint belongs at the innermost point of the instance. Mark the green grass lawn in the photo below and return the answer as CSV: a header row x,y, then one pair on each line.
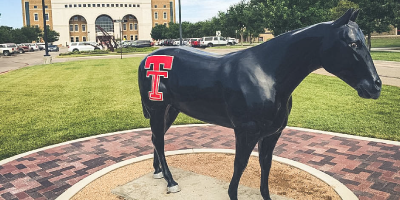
x,y
327,103
381,42
49,104
384,55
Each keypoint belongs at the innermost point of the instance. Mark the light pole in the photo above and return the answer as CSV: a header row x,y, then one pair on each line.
x,y
120,36
47,58
45,30
180,24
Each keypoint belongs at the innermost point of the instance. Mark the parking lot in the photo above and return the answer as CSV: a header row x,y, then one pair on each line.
x,y
17,60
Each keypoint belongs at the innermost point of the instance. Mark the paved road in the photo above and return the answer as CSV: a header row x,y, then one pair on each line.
x,y
389,71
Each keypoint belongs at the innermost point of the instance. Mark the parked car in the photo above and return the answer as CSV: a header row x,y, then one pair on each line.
x,y
53,48
32,46
232,41
96,45
168,42
8,48
141,43
160,43
82,46
22,48
177,41
127,43
213,41
41,46
194,42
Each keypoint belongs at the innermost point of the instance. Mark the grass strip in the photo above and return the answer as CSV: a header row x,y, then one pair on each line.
x,y
385,55
385,42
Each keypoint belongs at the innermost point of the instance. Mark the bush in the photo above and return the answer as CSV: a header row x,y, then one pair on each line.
x,y
135,49
96,51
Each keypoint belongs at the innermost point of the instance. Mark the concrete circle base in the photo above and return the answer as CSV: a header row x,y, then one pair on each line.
x,y
340,189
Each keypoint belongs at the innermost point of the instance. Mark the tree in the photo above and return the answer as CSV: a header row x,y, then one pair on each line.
x,y
52,35
31,33
254,19
377,16
158,32
341,8
173,31
236,18
5,34
226,29
282,15
19,37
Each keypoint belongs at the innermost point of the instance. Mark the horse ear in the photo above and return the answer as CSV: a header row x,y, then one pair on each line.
x,y
343,19
354,15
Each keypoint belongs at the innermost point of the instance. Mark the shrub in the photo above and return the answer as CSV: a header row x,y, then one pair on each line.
x,y
135,49
96,51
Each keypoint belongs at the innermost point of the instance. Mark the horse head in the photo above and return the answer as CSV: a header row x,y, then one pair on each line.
x,y
345,54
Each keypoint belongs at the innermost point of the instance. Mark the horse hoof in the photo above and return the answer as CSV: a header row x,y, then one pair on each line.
x,y
173,189
158,175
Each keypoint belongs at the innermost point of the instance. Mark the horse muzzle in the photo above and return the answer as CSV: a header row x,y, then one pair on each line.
x,y
369,90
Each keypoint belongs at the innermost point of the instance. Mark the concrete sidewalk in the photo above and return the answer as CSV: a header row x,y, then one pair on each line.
x,y
388,71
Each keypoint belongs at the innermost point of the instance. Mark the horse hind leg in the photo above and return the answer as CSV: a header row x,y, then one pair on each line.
x,y
172,113
246,139
160,121
266,147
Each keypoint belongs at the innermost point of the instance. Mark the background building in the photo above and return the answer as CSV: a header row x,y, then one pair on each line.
x,y
79,20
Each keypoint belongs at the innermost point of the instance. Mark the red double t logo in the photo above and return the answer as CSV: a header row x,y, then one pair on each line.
x,y
157,62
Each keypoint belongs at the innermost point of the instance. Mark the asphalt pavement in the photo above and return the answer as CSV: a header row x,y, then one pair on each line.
x,y
389,71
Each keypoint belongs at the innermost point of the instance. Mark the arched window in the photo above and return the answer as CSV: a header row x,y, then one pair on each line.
x,y
77,28
105,22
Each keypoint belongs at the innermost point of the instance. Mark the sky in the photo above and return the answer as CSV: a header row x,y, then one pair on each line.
x,y
192,10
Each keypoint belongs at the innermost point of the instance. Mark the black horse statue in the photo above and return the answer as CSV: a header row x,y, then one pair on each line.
x,y
250,90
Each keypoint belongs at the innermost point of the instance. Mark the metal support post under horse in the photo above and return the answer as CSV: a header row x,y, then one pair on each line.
x,y
180,24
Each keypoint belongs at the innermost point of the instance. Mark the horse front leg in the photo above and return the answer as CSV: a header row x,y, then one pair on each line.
x,y
160,122
246,138
265,148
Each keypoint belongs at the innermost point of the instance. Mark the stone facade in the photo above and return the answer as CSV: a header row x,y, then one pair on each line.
x,y
161,12
77,20
130,29
33,14
78,29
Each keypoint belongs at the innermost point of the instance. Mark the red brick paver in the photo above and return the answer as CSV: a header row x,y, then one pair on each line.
x,y
369,169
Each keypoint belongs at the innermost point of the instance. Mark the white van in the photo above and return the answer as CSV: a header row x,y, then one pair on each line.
x,y
82,46
213,41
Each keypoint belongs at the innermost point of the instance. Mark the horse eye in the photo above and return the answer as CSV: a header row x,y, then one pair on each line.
x,y
353,45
